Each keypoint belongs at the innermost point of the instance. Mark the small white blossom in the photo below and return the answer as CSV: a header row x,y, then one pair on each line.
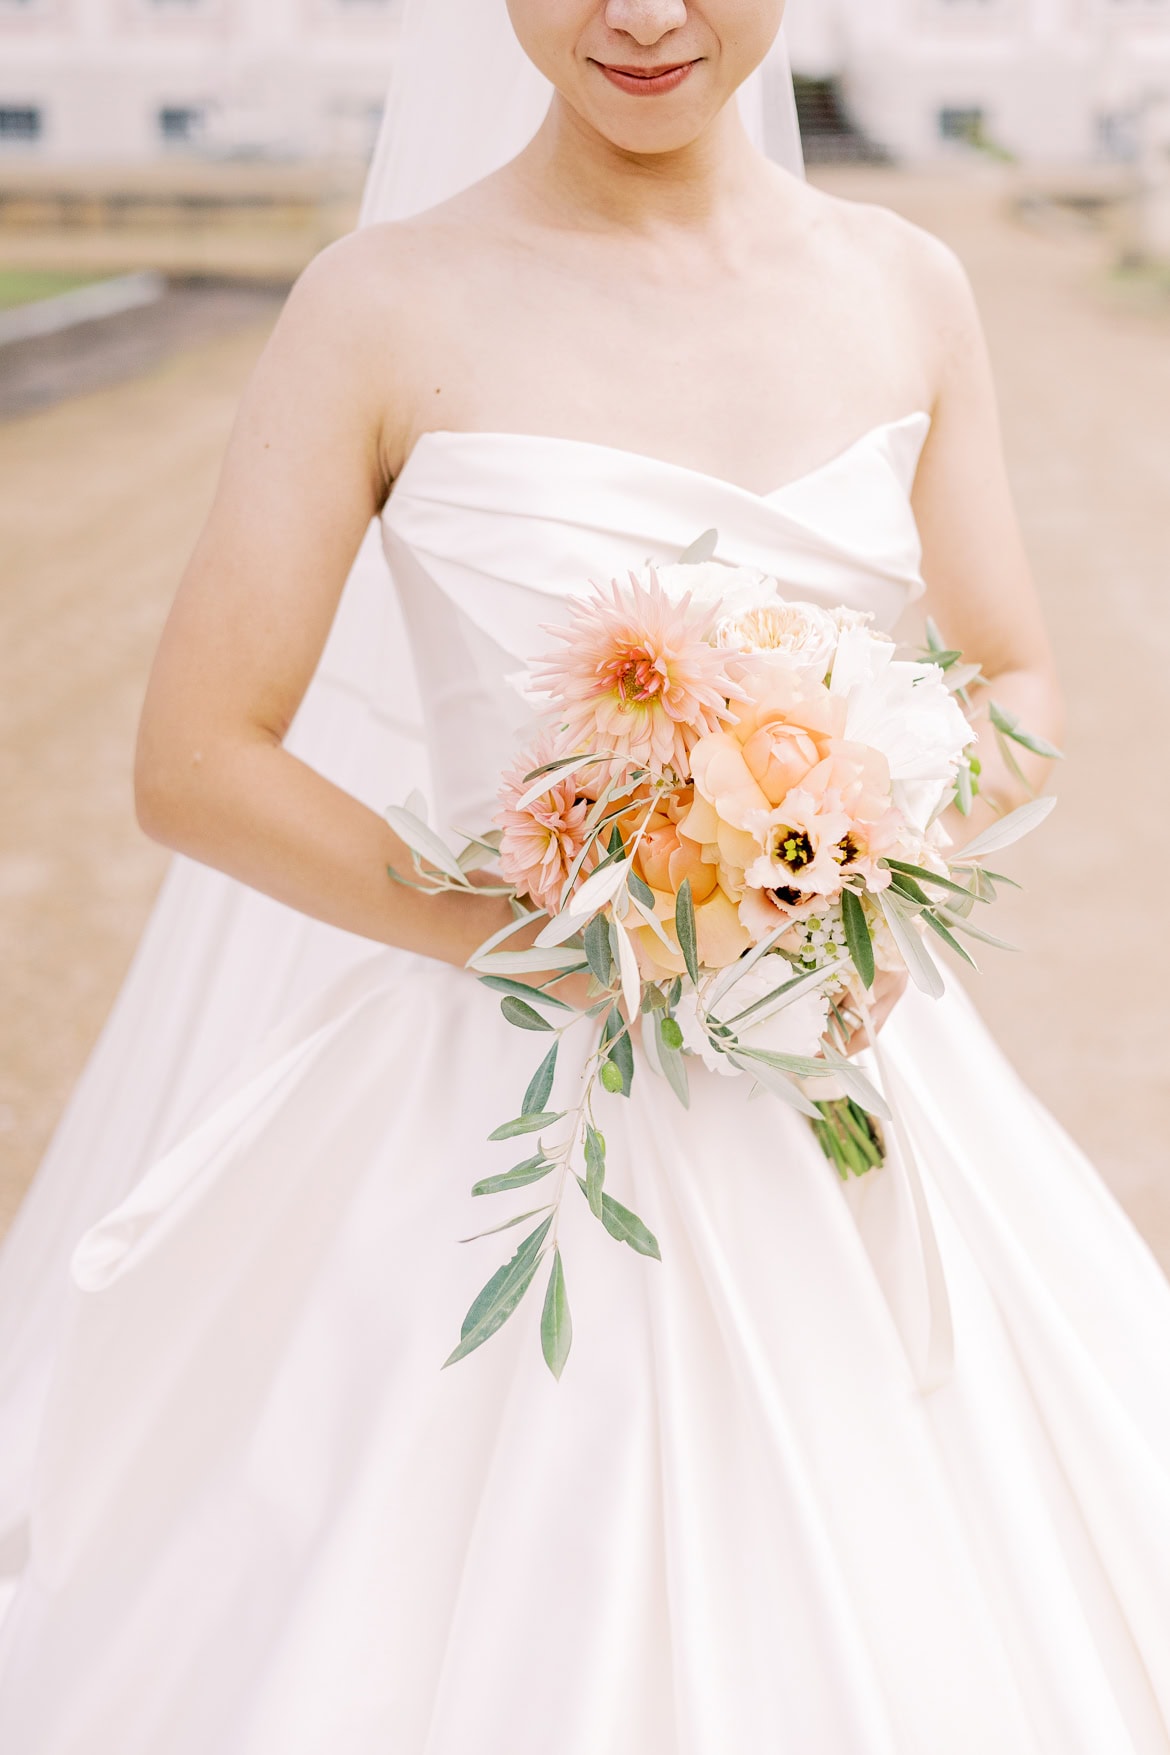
x,y
795,1029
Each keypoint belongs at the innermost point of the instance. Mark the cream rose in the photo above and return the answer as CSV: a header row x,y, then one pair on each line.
x,y
800,636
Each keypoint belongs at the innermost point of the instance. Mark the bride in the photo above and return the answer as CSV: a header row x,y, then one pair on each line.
x,y
881,1471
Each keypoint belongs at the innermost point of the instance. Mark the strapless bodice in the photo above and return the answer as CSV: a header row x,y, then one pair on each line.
x,y
488,534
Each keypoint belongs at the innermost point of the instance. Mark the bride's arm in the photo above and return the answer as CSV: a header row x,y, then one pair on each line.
x,y
979,586
304,474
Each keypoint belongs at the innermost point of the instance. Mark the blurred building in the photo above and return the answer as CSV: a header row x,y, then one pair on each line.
x,y
119,81
1061,81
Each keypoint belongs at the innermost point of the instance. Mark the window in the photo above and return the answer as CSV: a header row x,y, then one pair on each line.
x,y
180,122
960,122
20,122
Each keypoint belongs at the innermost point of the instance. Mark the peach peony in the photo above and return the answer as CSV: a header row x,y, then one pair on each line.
x,y
663,858
638,676
721,937
781,732
541,841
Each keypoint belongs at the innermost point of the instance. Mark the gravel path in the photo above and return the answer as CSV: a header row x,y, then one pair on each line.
x,y
90,356
102,499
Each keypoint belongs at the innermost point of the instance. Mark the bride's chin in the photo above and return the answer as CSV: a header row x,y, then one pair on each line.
x,y
626,127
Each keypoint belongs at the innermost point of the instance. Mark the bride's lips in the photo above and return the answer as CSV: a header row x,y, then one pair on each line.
x,y
647,81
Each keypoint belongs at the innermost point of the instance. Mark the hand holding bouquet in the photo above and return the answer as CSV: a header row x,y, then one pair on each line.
x,y
729,823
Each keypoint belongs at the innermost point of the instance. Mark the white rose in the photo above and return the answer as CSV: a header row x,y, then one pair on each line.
x,y
800,636
905,710
731,590
796,1029
857,618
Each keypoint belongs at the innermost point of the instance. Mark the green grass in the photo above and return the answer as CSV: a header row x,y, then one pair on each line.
x,y
20,286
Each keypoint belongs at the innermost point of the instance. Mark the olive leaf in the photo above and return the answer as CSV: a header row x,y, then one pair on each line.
x,y
506,1225
780,1084
527,1124
422,840
523,917
528,962
499,1298
520,1013
702,549
597,950
920,965
642,890
932,920
1008,829
862,1089
627,1227
1009,725
556,1324
521,989
668,1044
532,1170
857,935
618,1049
541,1084
684,925
924,876
551,775
594,1168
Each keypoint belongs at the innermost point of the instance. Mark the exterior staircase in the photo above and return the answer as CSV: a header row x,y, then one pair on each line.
x,y
828,134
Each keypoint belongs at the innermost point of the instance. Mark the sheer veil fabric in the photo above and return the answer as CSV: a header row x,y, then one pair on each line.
x,y
218,965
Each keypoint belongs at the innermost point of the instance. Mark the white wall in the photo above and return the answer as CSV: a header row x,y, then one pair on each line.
x,y
285,77
1044,72
307,77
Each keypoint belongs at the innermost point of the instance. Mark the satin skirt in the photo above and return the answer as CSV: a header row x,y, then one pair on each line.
x,y
266,1519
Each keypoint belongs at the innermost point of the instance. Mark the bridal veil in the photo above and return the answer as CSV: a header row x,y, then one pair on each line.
x,y
219,965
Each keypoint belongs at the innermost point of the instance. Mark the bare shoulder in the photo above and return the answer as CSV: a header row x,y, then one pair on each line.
x,y
914,261
360,314
351,289
910,275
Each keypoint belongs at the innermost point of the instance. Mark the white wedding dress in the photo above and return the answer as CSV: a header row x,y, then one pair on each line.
x,y
265,1521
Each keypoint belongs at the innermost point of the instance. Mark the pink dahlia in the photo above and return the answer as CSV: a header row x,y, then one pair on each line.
x,y
540,841
639,676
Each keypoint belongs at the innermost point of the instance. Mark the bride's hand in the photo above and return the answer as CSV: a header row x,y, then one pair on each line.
x,y
887,990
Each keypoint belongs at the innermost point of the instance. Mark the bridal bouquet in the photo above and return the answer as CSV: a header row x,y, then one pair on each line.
x,y
728,822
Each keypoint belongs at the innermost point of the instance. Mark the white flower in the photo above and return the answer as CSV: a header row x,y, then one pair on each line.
x,y
857,618
905,710
801,636
729,590
796,1029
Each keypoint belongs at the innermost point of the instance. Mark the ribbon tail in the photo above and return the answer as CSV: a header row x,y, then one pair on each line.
x,y
893,1218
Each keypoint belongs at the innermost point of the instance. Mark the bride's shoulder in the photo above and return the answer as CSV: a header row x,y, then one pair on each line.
x,y
375,270
363,308
890,257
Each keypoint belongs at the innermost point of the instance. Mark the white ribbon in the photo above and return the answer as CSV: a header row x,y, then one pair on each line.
x,y
893,1219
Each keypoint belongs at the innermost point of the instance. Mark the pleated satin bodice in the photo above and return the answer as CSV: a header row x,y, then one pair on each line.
x,y
489,533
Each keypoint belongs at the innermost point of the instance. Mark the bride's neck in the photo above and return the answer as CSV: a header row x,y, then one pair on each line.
x,y
575,167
